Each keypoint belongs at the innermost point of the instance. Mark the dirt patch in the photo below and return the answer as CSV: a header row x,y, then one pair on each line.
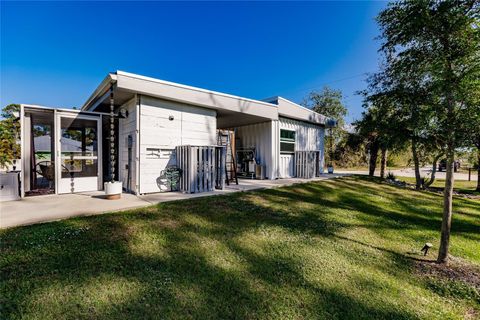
x,y
472,314
457,269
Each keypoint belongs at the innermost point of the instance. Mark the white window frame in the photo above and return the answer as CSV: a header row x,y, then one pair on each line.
x,y
289,141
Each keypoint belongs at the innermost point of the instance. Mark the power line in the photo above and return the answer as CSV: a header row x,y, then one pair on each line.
x,y
334,81
347,78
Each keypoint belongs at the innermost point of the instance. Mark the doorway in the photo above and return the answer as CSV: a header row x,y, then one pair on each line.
x,y
39,142
79,159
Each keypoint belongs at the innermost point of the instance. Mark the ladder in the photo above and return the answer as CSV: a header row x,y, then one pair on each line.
x,y
224,138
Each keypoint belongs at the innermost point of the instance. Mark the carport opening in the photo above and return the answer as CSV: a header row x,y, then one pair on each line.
x,y
249,137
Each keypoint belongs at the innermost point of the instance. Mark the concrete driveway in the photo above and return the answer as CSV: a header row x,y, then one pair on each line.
x,y
47,208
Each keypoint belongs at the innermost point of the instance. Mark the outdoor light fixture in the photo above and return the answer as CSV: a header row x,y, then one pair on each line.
x,y
123,113
425,248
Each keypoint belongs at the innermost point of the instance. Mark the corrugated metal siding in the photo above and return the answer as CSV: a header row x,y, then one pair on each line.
x,y
286,166
259,135
190,126
127,127
275,152
309,137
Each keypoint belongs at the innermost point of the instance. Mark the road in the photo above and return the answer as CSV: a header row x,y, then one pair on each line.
x,y
410,172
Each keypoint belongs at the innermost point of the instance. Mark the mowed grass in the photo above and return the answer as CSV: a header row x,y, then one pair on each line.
x,y
463,186
339,249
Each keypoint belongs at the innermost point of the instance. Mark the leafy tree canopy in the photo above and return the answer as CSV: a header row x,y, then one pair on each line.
x,y
329,103
9,133
432,68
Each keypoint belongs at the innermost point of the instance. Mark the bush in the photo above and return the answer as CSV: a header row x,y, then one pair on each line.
x,y
390,176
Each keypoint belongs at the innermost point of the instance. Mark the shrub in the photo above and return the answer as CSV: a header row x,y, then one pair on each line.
x,y
390,176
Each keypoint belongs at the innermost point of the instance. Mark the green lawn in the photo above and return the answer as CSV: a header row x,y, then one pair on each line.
x,y
345,248
463,186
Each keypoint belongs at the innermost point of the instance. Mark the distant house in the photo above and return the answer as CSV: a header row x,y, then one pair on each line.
x,y
154,117
43,144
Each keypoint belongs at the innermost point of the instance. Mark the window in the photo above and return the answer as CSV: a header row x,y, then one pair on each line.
x,y
153,153
287,141
157,153
78,146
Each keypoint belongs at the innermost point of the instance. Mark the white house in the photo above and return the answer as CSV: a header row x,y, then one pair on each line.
x,y
155,117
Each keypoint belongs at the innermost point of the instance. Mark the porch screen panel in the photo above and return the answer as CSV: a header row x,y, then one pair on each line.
x,y
79,148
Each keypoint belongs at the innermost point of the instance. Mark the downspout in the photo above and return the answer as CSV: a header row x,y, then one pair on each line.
x,y
112,136
129,162
138,145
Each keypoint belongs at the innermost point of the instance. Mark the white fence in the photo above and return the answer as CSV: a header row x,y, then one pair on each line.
x,y
202,168
307,164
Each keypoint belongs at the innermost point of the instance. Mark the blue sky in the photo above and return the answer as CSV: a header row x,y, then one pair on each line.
x,y
55,54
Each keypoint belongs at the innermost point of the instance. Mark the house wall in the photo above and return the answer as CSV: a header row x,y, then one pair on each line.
x,y
308,137
128,126
160,134
263,136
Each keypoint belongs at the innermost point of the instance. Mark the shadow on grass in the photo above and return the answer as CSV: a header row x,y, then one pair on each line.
x,y
400,214
184,259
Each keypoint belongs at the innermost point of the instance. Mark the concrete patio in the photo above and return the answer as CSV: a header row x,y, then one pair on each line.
x,y
47,208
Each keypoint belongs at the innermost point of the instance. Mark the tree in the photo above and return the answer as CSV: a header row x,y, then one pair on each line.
x,y
367,129
378,129
403,107
439,41
477,145
9,133
432,151
382,125
351,151
328,102
472,119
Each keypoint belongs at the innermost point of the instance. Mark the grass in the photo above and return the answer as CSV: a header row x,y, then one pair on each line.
x,y
462,186
338,249
365,168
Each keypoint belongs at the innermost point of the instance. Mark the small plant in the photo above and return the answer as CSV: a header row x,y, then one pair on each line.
x,y
391,176
172,174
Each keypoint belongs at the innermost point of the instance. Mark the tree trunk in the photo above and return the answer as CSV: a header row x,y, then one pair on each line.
x,y
416,162
434,171
383,164
478,169
373,158
447,209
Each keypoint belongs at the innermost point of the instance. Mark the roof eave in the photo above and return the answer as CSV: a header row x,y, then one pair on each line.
x,y
292,110
194,96
110,79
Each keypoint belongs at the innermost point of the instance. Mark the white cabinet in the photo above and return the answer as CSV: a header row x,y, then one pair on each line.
x,y
9,186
